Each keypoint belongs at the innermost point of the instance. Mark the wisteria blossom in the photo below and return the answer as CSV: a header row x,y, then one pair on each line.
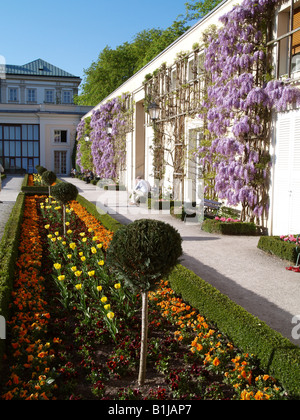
x,y
107,149
239,104
80,134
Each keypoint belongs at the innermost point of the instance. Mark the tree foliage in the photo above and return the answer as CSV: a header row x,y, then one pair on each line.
x,y
198,9
115,66
144,252
48,178
65,192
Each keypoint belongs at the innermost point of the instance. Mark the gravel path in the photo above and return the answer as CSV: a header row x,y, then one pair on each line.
x,y
11,187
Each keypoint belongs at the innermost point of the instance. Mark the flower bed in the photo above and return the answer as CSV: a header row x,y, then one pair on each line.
x,y
75,331
229,226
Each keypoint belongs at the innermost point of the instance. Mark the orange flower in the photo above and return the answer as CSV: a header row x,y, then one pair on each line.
x,y
216,362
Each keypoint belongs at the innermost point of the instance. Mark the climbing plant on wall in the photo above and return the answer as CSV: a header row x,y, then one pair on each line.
x,y
102,151
177,89
84,157
238,107
229,86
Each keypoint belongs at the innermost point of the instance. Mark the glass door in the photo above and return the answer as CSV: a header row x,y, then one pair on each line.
x,y
60,162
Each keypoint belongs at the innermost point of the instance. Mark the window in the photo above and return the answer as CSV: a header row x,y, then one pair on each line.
x,y
285,48
67,97
60,136
49,96
296,42
13,94
19,145
174,80
31,95
191,70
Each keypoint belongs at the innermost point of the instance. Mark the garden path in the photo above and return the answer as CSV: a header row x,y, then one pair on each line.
x,y
234,265
11,187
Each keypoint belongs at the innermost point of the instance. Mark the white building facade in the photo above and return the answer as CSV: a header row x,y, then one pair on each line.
x,y
38,118
284,47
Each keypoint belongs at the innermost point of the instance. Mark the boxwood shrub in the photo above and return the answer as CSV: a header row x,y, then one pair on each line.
x,y
229,228
277,355
276,246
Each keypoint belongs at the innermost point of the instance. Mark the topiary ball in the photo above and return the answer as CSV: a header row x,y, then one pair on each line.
x,y
40,169
48,178
144,252
64,192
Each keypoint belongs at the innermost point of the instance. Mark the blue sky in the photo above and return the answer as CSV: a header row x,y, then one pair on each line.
x,y
71,33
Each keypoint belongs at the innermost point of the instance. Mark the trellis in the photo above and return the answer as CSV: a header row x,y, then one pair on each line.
x,y
178,91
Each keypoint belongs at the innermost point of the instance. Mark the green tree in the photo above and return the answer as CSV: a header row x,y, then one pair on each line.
x,y
143,253
115,66
198,9
64,192
48,178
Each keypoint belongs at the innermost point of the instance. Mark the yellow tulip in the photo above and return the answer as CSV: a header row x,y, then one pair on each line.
x,y
78,286
57,266
110,315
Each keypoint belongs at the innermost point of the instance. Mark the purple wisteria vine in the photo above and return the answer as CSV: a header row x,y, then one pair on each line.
x,y
238,107
102,152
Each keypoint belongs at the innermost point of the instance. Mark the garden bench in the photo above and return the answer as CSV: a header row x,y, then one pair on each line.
x,y
209,207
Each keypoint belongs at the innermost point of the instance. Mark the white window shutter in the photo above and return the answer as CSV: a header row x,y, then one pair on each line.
x,y
286,204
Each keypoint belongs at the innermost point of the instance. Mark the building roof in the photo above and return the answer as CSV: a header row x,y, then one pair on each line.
x,y
38,67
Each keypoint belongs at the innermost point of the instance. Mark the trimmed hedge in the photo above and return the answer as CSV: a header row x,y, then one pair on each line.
x,y
277,355
163,204
114,187
229,228
8,256
276,246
